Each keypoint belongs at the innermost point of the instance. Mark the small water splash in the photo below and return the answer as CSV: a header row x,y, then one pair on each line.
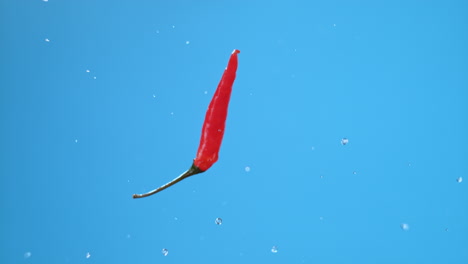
x,y
218,221
164,251
404,226
344,141
274,249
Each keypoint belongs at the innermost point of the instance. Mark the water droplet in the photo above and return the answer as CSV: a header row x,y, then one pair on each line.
x,y
404,226
27,254
154,96
218,221
128,236
172,113
313,148
247,169
173,26
274,249
321,218
157,31
76,140
446,229
206,92
354,172
334,25
164,251
344,141
459,179
88,255
187,42
88,71
47,40
321,176
45,0
94,77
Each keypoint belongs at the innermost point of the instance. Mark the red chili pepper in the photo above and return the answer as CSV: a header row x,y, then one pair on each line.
x,y
213,127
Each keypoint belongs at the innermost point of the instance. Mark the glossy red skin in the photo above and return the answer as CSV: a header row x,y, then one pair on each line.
x,y
215,119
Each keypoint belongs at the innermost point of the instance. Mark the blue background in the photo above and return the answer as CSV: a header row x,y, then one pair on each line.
x,y
391,76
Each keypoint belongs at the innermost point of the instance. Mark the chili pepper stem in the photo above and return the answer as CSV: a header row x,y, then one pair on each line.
x,y
192,171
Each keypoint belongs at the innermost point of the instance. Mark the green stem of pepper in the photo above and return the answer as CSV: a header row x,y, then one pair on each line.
x,y
192,171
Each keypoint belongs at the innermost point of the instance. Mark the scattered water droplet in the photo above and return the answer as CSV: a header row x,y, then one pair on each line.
x,y
157,31
128,236
45,0
354,172
47,40
88,71
313,148
247,169
344,141
27,254
218,221
446,229
321,176
459,179
274,249
154,96
321,218
94,77
164,251
88,255
187,42
175,218
206,92
76,140
334,25
404,226
172,113
173,26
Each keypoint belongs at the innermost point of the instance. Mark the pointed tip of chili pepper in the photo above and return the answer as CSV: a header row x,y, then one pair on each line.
x,y
236,51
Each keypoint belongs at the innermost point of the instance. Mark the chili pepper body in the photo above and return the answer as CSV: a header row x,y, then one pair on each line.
x,y
213,127
215,118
